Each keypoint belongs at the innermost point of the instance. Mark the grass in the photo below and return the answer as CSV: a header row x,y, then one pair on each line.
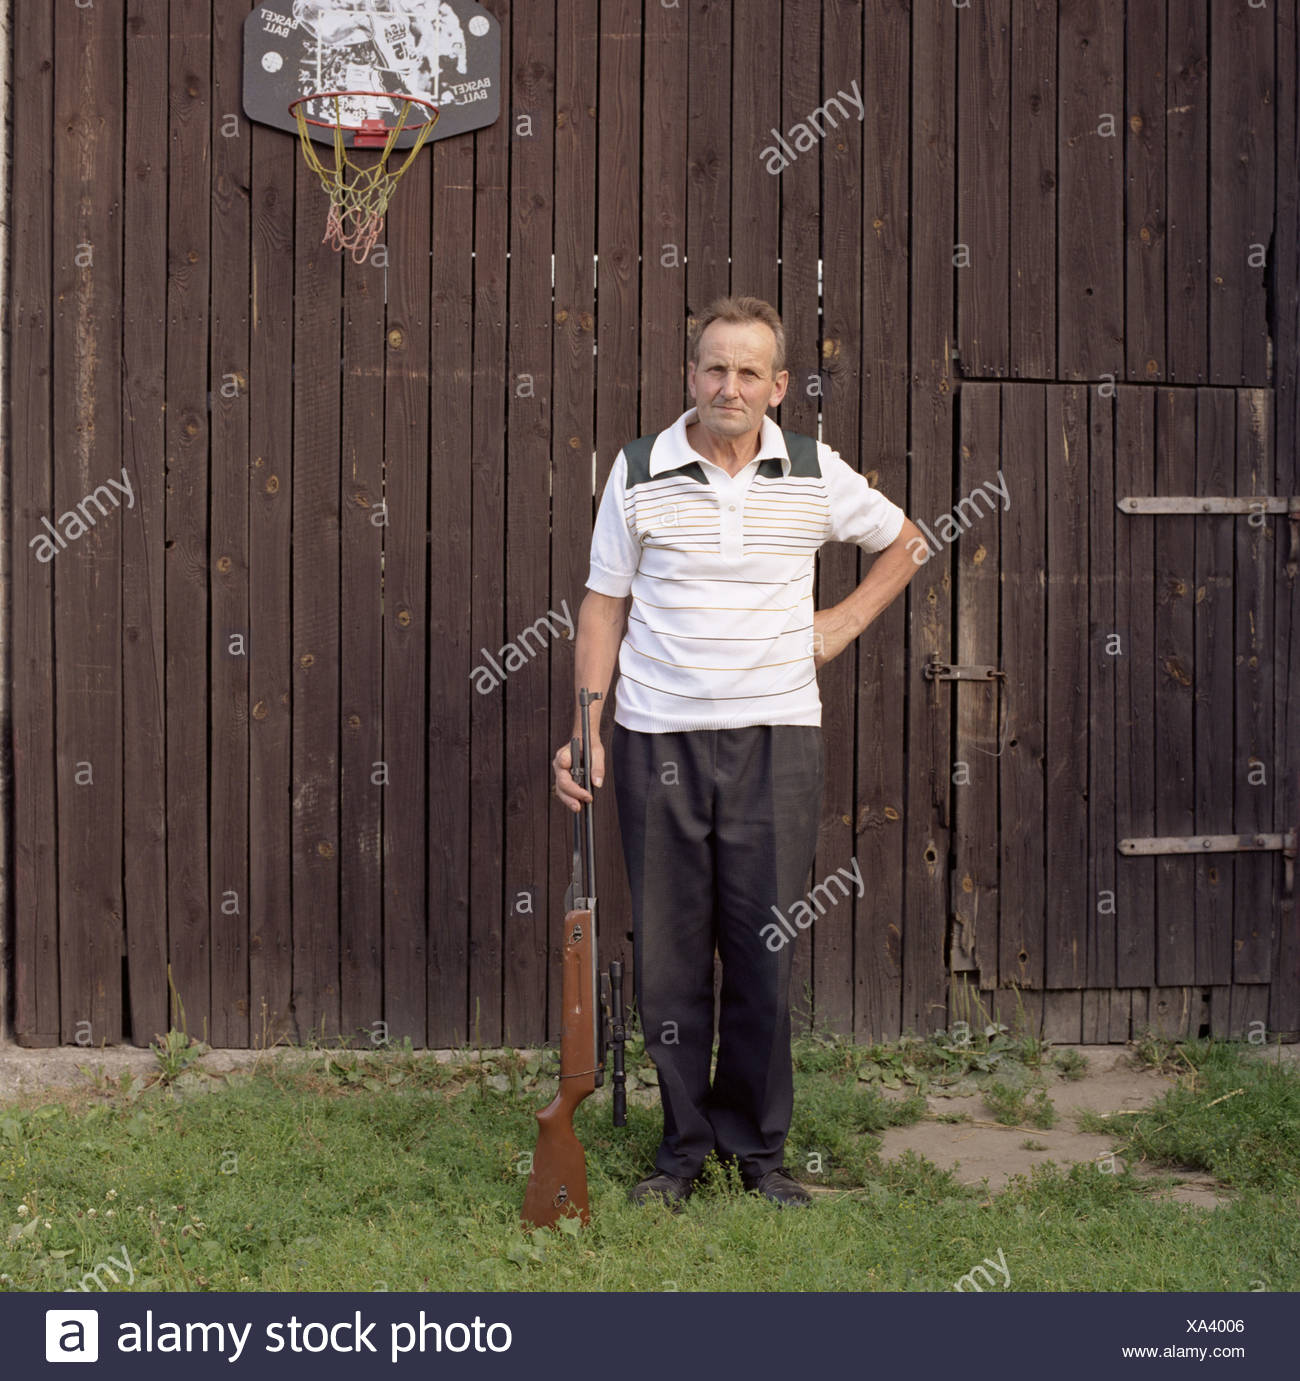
x,y
357,1171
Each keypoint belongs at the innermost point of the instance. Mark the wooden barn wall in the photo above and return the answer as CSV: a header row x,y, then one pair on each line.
x,y
254,770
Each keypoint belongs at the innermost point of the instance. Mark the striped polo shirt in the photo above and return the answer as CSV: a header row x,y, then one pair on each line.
x,y
720,571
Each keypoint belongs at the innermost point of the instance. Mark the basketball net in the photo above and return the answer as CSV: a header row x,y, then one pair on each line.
x,y
357,207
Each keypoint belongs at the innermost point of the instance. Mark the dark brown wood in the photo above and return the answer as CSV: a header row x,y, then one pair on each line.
x,y
1145,208
144,739
983,187
368,514
663,208
228,655
270,511
532,622
1090,190
1258,880
1032,286
1187,190
708,140
1215,537
1065,743
86,435
800,302
1107,644
1026,454
488,535
980,708
881,698
1175,670
1284,319
755,190
573,442
185,565
841,566
413,609
451,579
1134,689
619,99
1241,181
318,273
244,654
927,808
30,392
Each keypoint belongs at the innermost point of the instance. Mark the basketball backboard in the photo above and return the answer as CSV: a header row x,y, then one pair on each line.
x,y
444,51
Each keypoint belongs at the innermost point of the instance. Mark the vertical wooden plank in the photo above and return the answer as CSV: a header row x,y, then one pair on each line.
x,y
883,691
228,568
451,579
368,763
1107,647
1063,1016
984,208
1187,109
1176,678
529,617
573,446
1145,211
486,744
1284,990
1248,1009
315,739
1241,190
1066,745
88,72
1258,882
708,141
1134,688
618,222
32,254
1025,436
413,611
800,192
663,220
838,573
755,179
144,308
1214,535
187,542
981,707
927,808
1090,170
270,500
1032,287
800,306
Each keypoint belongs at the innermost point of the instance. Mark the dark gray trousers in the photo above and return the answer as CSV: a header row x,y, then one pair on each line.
x,y
718,827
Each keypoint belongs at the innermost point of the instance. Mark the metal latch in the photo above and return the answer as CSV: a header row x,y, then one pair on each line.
x,y
1222,503
935,670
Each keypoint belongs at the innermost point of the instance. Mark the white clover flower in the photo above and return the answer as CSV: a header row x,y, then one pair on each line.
x,y
23,1210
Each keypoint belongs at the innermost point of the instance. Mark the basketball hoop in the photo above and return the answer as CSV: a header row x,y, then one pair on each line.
x,y
357,208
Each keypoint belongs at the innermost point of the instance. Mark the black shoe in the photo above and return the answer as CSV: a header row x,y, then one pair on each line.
x,y
672,1189
780,1186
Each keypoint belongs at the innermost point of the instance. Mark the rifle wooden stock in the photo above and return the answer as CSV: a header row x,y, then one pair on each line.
x,y
557,1186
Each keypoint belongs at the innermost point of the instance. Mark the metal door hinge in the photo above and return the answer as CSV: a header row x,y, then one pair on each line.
x,y
1220,844
1223,503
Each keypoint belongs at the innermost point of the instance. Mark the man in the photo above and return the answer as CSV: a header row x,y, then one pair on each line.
x,y
712,528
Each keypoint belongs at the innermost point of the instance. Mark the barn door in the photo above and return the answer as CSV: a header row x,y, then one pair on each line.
x,y
1123,562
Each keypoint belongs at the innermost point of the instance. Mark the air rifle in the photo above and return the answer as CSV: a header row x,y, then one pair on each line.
x,y
592,1023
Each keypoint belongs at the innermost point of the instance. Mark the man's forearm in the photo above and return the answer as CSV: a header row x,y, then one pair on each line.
x,y
601,620
888,577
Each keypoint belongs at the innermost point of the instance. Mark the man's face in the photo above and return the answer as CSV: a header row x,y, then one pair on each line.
x,y
733,384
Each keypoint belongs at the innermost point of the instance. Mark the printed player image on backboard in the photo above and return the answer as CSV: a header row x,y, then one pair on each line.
x,y
444,51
